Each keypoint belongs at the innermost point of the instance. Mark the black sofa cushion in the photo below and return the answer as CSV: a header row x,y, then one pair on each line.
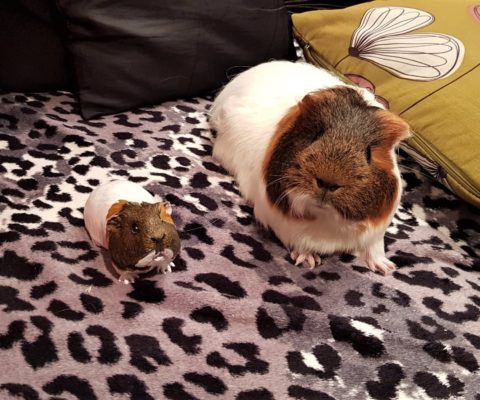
x,y
298,6
33,55
129,53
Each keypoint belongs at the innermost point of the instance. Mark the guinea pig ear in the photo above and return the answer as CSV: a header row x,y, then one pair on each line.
x,y
165,209
116,208
392,126
307,102
113,219
311,100
113,223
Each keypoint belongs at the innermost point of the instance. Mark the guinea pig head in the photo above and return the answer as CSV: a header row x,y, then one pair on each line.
x,y
334,150
137,229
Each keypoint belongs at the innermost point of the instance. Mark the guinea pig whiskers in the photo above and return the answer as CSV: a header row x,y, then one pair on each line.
x,y
323,195
286,192
193,229
390,237
213,221
277,180
402,167
295,200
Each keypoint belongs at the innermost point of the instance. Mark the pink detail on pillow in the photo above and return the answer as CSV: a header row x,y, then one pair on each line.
x,y
474,11
366,84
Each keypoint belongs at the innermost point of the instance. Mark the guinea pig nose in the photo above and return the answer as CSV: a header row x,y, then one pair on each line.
x,y
158,239
331,187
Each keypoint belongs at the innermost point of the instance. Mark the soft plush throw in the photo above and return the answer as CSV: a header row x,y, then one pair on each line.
x,y
235,319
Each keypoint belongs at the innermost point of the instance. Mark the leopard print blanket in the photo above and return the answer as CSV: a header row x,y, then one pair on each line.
x,y
235,319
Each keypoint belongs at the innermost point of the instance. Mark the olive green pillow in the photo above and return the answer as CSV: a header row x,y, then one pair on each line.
x,y
422,61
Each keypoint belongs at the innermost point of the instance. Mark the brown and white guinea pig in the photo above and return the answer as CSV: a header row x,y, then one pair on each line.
x,y
314,156
136,227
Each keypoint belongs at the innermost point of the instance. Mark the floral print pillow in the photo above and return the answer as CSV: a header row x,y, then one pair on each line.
x,y
422,61
385,38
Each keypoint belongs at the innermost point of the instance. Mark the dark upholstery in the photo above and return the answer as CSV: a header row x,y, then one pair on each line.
x,y
131,53
33,56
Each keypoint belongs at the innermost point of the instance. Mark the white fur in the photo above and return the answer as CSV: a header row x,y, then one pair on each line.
x,y
245,115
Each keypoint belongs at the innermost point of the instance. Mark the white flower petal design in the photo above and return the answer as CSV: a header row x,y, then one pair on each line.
x,y
386,21
421,56
381,39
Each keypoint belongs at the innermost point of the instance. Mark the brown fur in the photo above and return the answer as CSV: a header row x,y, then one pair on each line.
x,y
393,130
285,124
392,126
155,234
326,137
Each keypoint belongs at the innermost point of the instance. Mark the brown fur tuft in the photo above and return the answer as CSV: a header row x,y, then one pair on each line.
x,y
392,130
392,126
285,125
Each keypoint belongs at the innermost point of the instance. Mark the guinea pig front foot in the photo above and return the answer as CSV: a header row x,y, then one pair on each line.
x,y
380,264
164,261
376,260
127,277
164,268
308,259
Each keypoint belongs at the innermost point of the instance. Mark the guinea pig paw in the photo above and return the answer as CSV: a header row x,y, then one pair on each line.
x,y
163,269
127,278
381,264
309,259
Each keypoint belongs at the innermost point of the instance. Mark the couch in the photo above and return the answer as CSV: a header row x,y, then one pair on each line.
x,y
235,319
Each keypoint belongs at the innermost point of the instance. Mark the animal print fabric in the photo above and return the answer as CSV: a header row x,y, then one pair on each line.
x,y
235,319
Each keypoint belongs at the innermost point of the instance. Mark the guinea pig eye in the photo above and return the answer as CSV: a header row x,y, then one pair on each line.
x,y
317,134
368,154
135,228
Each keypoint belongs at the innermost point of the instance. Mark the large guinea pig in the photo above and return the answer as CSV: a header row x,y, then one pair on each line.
x,y
136,228
314,156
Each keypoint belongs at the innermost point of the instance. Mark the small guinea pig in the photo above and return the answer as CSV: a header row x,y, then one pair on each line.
x,y
134,226
314,156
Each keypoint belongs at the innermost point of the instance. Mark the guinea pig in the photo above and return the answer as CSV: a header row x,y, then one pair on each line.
x,y
134,226
314,156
